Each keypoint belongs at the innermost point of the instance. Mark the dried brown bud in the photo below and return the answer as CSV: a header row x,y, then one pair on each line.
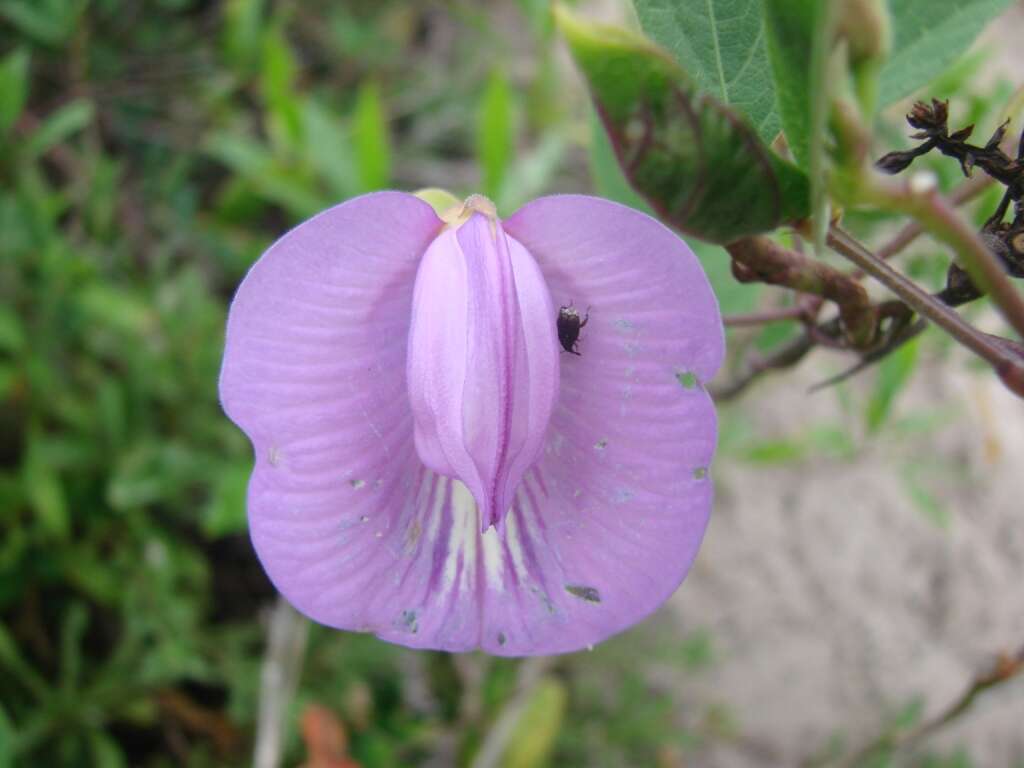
x,y
894,162
930,119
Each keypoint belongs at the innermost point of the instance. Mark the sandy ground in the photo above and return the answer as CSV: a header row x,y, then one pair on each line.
x,y
834,601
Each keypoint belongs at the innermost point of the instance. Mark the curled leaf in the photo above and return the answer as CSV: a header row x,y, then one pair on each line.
x,y
699,164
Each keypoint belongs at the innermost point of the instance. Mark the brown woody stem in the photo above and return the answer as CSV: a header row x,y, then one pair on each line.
x,y
784,356
762,259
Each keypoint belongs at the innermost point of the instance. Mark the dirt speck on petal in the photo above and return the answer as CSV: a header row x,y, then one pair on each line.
x,y
590,594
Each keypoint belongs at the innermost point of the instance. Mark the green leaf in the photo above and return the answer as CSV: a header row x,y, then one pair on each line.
x,y
49,22
531,174
150,473
105,751
254,162
720,44
909,716
700,166
278,88
8,380
775,451
106,306
225,513
928,36
242,22
14,665
697,650
893,374
534,734
832,441
45,492
59,126
495,136
798,33
7,737
791,26
371,139
13,87
73,626
924,500
538,13
327,146
609,182
12,331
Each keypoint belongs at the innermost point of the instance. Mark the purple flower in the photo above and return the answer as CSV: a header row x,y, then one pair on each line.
x,y
431,465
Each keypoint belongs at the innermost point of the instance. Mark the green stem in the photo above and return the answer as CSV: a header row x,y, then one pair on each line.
x,y
964,193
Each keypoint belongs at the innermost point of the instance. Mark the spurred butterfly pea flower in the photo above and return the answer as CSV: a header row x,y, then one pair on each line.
x,y
429,467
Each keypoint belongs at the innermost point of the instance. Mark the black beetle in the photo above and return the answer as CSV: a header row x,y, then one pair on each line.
x,y
569,326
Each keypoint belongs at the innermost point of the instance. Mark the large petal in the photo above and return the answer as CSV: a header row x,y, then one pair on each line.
x,y
314,373
622,495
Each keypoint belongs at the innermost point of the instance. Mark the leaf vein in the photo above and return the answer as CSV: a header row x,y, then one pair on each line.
x,y
718,52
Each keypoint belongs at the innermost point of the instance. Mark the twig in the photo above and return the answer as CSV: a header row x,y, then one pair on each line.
x,y
981,264
784,356
919,197
905,334
762,259
745,319
1010,367
279,677
1005,668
